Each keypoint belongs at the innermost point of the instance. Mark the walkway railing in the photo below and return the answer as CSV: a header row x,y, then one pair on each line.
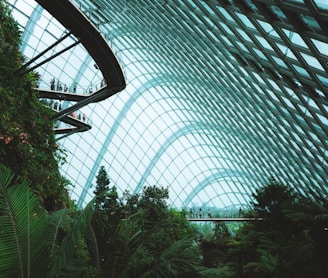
x,y
225,219
89,36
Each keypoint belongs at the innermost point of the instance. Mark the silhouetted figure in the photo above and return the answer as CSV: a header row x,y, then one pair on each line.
x,y
209,214
52,84
200,213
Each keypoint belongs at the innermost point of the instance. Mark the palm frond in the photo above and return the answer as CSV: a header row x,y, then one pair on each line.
x,y
267,263
23,227
76,223
179,258
221,272
323,216
125,255
59,222
93,246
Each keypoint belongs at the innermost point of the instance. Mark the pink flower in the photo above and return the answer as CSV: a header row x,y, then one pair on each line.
x,y
7,140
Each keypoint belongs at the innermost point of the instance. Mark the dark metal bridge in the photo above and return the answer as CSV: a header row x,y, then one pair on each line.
x,y
225,219
87,35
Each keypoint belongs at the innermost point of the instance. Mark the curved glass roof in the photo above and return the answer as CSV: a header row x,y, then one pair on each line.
x,y
220,95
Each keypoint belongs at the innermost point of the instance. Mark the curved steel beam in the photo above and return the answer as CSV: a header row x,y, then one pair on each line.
x,y
88,35
221,174
78,24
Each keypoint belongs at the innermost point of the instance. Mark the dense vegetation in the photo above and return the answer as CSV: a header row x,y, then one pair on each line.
x,y
290,241
141,236
133,235
27,142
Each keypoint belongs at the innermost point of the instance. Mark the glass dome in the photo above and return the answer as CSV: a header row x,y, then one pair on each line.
x,y
219,96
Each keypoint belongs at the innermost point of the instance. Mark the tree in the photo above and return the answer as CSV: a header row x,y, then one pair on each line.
x,y
309,249
102,187
271,199
289,242
106,217
147,238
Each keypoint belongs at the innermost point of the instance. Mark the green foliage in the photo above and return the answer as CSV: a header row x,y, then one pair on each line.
x,y
35,243
214,238
23,250
27,141
9,42
289,242
267,265
70,255
133,254
101,199
270,200
140,236
225,271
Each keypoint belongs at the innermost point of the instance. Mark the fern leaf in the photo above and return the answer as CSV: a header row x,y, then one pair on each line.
x,y
23,226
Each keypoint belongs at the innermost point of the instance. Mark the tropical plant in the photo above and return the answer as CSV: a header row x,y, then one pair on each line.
x,y
24,250
27,140
35,243
309,218
73,243
291,241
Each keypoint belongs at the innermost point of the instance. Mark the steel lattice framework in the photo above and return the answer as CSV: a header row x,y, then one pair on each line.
x,y
220,95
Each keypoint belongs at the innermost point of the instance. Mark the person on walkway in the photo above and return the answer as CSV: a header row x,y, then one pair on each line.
x,y
52,84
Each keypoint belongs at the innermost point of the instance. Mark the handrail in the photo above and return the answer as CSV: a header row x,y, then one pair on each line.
x,y
88,35
226,219
79,25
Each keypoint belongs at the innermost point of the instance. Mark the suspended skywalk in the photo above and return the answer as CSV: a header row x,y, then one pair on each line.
x,y
80,31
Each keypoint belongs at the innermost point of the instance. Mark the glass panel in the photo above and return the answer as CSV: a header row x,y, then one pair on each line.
x,y
322,4
311,61
322,47
286,51
295,38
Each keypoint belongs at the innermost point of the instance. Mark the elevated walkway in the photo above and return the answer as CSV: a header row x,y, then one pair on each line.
x,y
77,125
80,99
225,219
82,28
88,35
59,95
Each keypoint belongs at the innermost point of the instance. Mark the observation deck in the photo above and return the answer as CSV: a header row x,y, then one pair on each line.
x,y
87,34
